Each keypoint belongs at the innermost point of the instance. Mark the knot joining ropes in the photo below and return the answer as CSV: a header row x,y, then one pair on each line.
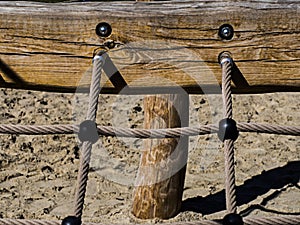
x,y
228,130
88,131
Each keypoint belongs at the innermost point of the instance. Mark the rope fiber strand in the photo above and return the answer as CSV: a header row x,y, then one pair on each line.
x,y
98,62
87,145
228,144
147,133
249,220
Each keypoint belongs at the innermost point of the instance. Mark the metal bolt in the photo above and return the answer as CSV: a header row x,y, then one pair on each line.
x,y
226,31
103,29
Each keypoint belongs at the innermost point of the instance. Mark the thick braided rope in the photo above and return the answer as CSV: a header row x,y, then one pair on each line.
x,y
274,220
147,133
250,220
226,88
45,222
230,191
87,146
228,144
268,128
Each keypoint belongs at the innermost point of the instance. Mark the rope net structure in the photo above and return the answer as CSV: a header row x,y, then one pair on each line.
x,y
227,130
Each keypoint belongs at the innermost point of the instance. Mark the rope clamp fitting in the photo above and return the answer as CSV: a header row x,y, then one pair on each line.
x,y
227,130
99,57
88,131
226,59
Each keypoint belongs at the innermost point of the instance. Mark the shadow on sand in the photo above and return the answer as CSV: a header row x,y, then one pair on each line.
x,y
256,186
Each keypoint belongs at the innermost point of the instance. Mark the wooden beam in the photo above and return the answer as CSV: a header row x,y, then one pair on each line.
x,y
49,46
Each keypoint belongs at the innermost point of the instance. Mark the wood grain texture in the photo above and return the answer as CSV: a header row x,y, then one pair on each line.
x,y
160,179
49,46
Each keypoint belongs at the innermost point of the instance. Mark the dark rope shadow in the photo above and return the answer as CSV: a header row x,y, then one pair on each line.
x,y
9,72
256,186
238,78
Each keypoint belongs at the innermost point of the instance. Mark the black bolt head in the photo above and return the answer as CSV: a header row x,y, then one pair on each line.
x,y
227,130
88,131
233,219
226,32
103,30
71,220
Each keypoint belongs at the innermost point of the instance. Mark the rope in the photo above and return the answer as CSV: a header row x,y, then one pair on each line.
x,y
226,88
147,133
269,128
250,220
87,145
231,205
27,222
44,222
230,191
274,220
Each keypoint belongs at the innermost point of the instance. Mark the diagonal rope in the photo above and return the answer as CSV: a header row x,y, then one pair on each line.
x,y
230,191
87,145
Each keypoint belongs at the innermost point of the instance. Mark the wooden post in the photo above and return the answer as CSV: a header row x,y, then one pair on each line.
x,y
161,175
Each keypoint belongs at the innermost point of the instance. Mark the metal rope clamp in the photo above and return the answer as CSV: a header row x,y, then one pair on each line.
x,y
225,57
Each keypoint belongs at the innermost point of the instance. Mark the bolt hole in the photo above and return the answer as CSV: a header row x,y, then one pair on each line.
x,y
103,30
226,32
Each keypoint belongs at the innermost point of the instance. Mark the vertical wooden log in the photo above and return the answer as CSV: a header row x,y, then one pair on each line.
x,y
160,179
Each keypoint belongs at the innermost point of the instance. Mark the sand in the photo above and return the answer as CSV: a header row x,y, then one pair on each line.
x,y
38,173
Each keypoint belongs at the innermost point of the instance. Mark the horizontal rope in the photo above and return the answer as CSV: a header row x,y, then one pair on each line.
x,y
38,129
269,128
249,220
158,133
45,222
28,222
272,220
147,133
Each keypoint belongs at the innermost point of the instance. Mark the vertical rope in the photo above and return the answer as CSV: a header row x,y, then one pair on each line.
x,y
230,176
95,87
228,144
87,145
226,89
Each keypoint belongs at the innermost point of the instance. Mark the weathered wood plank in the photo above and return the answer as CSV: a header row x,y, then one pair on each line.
x,y
49,46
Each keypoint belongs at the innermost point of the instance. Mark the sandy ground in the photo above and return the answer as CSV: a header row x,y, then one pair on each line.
x,y
38,173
